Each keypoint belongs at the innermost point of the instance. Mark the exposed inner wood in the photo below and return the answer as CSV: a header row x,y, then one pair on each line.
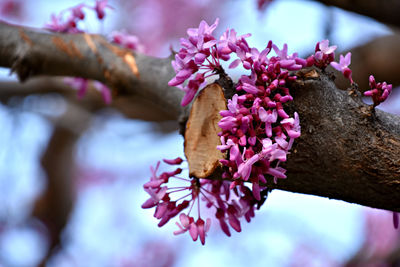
x,y
201,135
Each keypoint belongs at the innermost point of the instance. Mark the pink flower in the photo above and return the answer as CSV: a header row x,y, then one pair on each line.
x,y
292,126
325,48
244,169
343,66
155,196
203,29
100,7
269,117
379,91
229,42
227,123
324,54
77,12
292,62
184,225
202,229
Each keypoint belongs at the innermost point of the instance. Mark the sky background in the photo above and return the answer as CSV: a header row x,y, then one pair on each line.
x,y
108,227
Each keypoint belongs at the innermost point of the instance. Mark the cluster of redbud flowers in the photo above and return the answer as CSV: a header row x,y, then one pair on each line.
x,y
256,131
67,22
379,91
228,205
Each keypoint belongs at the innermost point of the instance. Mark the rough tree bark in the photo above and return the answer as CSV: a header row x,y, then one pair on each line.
x,y
346,150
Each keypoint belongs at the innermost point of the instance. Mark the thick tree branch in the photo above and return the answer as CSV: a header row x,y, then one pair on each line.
x,y
384,11
30,53
346,151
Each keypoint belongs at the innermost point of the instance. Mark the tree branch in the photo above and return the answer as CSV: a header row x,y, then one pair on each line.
x,y
384,11
131,106
346,151
56,203
31,53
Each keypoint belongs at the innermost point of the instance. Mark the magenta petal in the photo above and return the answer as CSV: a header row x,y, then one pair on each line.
x,y
209,44
256,191
149,204
293,133
184,220
153,183
175,81
175,161
276,173
193,231
199,58
235,63
184,74
201,231
250,88
347,59
188,97
180,231
252,140
282,114
262,113
224,227
161,210
235,223
368,93
287,63
262,178
336,65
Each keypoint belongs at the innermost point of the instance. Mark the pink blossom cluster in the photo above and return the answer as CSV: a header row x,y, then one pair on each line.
x,y
256,131
324,55
193,57
67,20
379,91
227,205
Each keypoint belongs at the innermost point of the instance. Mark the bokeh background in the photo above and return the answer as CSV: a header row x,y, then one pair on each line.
x,y
104,156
